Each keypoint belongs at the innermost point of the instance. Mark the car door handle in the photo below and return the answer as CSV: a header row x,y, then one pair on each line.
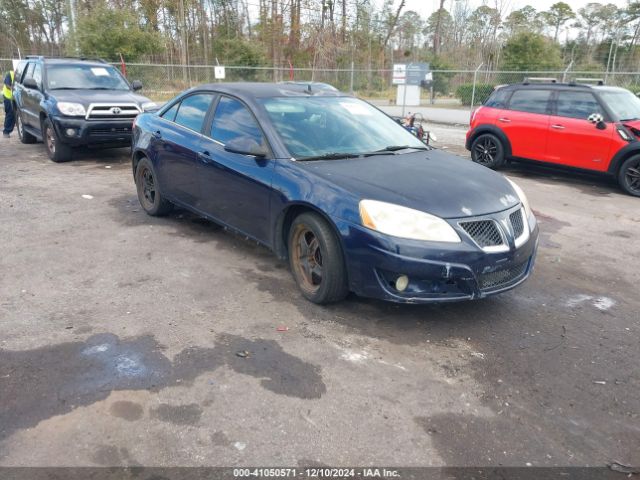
x,y
558,127
505,120
157,134
205,156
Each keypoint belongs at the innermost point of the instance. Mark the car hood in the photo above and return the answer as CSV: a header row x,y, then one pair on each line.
x,y
86,97
435,182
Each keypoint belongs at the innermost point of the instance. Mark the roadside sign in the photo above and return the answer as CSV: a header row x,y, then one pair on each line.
x,y
399,74
219,72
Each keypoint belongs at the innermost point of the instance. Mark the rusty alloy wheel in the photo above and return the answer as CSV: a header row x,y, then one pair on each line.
x,y
148,187
307,258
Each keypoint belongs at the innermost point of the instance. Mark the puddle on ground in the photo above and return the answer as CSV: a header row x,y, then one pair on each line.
x,y
56,379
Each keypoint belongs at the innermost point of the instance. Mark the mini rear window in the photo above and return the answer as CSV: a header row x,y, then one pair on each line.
x,y
530,100
498,98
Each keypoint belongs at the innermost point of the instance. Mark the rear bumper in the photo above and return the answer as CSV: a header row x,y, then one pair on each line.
x,y
437,272
93,132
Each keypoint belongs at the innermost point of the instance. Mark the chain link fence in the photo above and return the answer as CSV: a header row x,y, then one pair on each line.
x,y
462,89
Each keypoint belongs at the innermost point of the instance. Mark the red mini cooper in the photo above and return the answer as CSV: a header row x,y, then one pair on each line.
x,y
590,127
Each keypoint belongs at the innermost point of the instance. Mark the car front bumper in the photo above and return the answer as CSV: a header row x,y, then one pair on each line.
x,y
437,272
93,132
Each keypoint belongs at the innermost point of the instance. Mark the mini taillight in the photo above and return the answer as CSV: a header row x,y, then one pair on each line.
x,y
473,114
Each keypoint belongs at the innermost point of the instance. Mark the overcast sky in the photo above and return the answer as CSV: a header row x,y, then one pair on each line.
x,y
426,7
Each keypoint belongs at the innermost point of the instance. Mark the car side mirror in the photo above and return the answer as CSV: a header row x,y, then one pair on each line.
x,y
31,83
136,85
246,146
598,121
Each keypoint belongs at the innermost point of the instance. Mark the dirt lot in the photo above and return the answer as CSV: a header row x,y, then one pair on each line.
x,y
120,336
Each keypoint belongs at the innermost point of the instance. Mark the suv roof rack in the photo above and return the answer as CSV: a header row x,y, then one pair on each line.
x,y
597,81
529,80
65,57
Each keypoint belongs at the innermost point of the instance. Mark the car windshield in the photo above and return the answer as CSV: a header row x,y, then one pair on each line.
x,y
624,104
84,77
328,127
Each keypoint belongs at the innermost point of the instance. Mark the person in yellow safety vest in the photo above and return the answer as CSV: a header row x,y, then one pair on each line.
x,y
9,113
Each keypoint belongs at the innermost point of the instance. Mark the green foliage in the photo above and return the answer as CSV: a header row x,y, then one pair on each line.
x,y
236,51
106,33
530,51
465,93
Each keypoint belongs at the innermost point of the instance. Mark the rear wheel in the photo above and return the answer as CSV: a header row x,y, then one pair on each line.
x,y
24,136
57,151
316,261
629,176
487,150
148,189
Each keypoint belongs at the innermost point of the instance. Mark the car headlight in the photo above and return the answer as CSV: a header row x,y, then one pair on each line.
x,y
149,106
72,109
405,222
525,203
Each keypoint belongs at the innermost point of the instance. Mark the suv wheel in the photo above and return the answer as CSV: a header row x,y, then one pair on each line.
x,y
25,137
316,260
57,151
487,150
629,176
148,189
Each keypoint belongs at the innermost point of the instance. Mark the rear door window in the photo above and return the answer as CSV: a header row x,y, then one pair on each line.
x,y
577,105
529,100
498,99
29,71
193,111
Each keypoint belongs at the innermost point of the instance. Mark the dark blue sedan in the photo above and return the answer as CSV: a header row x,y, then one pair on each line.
x,y
354,201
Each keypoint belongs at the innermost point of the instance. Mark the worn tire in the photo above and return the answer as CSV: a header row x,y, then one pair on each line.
x,y
333,285
488,150
629,175
149,193
57,151
25,137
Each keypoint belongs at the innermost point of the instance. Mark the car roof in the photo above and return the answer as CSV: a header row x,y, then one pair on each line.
x,y
269,90
67,60
556,86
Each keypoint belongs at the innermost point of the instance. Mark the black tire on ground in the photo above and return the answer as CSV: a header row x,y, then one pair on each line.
x,y
629,176
57,151
488,150
149,194
25,137
316,260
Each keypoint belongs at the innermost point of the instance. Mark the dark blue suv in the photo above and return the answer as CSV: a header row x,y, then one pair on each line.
x,y
69,102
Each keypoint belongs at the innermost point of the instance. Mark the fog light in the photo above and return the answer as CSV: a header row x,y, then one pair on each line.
x,y
402,282
71,132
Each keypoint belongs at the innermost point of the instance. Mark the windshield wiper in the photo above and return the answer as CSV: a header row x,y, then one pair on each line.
x,y
65,88
329,156
393,148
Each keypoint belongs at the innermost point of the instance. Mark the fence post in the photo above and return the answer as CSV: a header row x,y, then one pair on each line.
x,y
564,74
473,91
351,82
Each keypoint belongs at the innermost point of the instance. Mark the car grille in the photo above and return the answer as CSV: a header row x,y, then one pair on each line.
x,y
484,232
109,131
517,223
501,278
118,111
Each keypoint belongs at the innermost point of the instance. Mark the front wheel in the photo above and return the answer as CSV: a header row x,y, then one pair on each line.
x,y
148,189
57,151
24,136
629,176
316,261
487,150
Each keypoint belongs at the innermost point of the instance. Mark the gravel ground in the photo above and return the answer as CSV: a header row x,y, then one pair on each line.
x,y
121,334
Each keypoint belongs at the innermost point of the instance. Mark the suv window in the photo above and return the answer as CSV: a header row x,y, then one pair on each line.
x,y
232,120
528,100
193,110
37,74
577,105
29,71
498,99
